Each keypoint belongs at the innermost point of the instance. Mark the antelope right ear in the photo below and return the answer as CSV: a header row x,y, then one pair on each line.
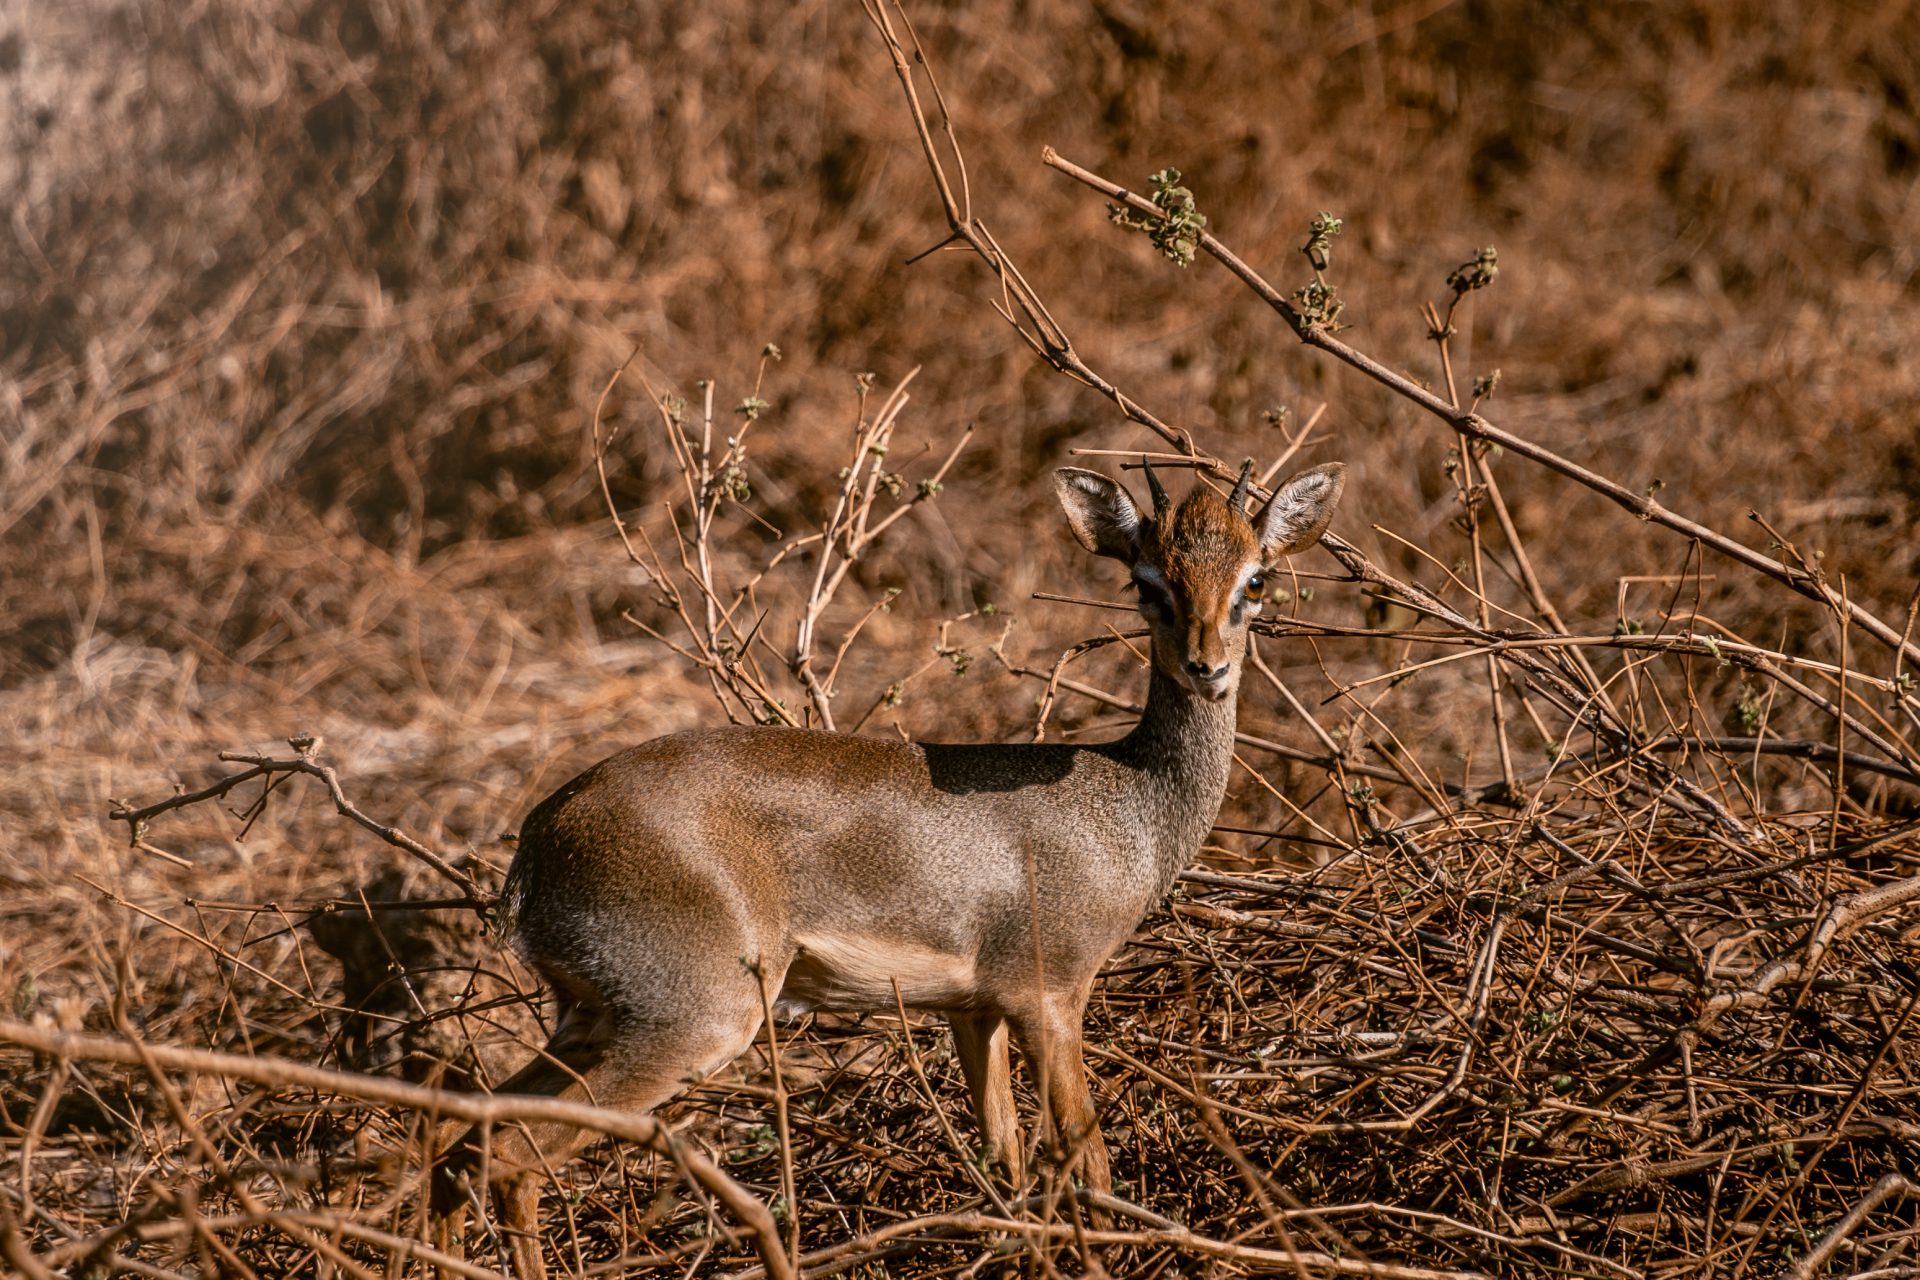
x,y
1099,512
1299,511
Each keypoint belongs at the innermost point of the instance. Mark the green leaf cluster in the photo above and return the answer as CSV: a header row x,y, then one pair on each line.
x,y
1176,234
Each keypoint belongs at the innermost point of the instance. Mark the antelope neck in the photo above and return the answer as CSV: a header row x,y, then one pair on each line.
x,y
1182,751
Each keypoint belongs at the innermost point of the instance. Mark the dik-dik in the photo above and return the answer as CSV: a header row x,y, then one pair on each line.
x,y
658,890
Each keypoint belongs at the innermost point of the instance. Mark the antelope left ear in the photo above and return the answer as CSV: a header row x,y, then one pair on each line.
x,y
1300,511
1099,512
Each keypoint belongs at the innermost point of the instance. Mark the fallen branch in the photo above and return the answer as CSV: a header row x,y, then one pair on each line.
x,y
476,1108
1816,1259
1176,1238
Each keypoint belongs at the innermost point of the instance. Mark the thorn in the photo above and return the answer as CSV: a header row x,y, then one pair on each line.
x,y
951,237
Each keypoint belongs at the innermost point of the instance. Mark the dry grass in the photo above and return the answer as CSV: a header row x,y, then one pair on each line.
x,y
308,311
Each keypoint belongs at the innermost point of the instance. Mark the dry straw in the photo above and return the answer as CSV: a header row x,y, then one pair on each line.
x,y
1633,998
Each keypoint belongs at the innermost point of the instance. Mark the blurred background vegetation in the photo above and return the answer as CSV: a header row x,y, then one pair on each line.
x,y
307,302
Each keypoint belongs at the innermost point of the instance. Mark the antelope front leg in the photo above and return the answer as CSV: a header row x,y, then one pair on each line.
x,y
1053,1047
981,1039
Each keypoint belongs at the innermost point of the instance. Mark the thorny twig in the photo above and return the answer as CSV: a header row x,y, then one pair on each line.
x,y
305,761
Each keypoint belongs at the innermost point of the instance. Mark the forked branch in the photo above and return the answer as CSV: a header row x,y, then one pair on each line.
x,y
1470,423
1569,690
304,761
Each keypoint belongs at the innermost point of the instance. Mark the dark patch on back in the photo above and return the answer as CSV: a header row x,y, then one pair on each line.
x,y
965,769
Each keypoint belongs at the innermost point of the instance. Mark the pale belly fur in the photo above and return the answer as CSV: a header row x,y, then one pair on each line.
x,y
851,972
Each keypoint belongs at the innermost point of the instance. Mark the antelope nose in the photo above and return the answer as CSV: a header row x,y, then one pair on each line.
x,y
1207,671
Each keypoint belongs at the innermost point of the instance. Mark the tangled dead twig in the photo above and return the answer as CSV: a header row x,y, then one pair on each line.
x,y
488,1110
305,761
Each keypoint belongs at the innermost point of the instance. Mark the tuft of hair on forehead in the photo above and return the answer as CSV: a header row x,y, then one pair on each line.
x,y
1203,535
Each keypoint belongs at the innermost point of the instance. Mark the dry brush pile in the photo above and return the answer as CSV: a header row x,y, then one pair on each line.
x,y
1560,920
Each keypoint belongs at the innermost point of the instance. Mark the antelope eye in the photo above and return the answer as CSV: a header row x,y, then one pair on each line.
x,y
1256,587
1151,596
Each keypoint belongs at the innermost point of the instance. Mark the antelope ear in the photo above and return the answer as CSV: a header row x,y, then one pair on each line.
x,y
1300,511
1099,512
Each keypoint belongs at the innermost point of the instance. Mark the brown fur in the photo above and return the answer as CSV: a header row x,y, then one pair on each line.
x,y
1202,552
658,890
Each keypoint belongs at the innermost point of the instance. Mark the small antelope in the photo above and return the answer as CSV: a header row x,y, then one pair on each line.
x,y
658,890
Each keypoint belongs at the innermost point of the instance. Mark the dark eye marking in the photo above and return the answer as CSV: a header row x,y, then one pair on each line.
x,y
1152,598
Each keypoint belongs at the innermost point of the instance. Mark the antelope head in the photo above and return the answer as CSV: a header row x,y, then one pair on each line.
x,y
1201,569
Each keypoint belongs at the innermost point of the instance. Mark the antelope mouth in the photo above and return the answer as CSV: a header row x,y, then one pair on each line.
x,y
1212,688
